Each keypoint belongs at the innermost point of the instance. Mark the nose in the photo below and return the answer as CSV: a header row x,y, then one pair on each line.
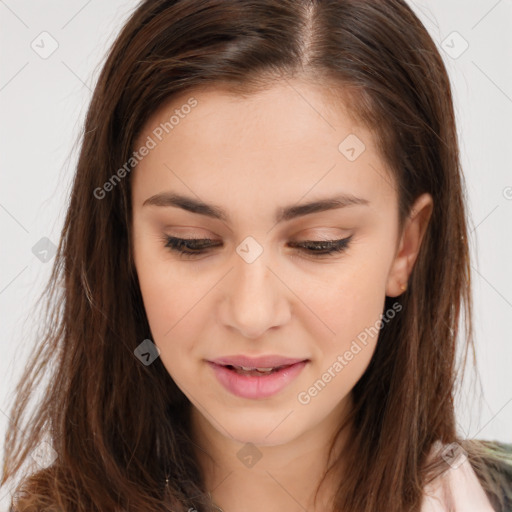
x,y
255,299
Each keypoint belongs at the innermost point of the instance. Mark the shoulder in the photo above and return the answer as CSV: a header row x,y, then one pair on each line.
x,y
497,467
478,478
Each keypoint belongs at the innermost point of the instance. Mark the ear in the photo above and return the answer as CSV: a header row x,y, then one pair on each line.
x,y
409,245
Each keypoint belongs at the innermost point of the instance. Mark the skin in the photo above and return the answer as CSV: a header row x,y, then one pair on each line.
x,y
250,155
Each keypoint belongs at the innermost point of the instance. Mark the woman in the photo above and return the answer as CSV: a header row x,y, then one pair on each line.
x,y
263,266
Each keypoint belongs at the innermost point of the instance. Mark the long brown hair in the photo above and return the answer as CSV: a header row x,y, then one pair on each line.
x,y
119,427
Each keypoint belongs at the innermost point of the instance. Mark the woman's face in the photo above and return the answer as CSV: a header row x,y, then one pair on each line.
x,y
248,166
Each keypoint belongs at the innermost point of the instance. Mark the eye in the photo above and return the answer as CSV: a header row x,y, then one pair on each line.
x,y
190,247
323,247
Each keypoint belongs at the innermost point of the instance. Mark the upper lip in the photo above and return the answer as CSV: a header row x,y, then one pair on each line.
x,y
269,361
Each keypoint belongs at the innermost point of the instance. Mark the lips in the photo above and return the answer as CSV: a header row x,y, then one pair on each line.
x,y
254,384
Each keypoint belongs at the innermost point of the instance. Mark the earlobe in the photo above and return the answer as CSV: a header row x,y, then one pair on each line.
x,y
413,233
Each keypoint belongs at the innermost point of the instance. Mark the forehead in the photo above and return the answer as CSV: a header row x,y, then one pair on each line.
x,y
292,139
287,113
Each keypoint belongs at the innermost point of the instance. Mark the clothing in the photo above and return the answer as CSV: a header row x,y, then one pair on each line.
x,y
465,485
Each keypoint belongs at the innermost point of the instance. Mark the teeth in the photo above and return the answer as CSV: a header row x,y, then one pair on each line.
x,y
259,369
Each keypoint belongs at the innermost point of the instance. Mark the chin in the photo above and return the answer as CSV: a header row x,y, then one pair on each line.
x,y
259,431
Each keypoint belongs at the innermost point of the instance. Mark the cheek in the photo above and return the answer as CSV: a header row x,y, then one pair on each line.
x,y
168,311
348,307
172,308
341,359
174,301
166,294
347,301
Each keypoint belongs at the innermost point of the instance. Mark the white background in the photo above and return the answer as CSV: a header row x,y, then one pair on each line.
x,y
43,103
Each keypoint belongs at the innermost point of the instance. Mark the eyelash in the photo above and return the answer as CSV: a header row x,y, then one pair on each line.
x,y
190,247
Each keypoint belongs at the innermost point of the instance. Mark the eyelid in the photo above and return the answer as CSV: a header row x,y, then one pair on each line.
x,y
317,249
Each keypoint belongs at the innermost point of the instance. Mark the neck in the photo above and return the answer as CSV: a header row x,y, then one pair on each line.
x,y
241,475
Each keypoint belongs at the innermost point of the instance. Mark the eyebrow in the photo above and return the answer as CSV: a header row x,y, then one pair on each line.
x,y
282,214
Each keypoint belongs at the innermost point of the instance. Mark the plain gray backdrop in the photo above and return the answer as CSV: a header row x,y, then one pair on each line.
x,y
51,53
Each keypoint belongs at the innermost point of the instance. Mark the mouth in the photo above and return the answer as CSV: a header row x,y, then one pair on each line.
x,y
256,382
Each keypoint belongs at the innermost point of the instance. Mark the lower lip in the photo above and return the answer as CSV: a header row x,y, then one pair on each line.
x,y
247,386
